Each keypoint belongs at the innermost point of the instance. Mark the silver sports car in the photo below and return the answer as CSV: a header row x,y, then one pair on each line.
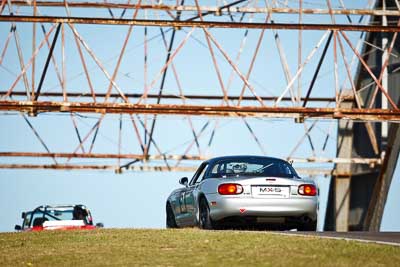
x,y
244,191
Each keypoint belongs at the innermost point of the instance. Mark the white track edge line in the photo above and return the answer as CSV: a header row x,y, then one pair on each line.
x,y
342,238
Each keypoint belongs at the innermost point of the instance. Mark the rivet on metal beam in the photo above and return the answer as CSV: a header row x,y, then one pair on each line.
x,y
337,115
299,119
65,108
372,165
32,112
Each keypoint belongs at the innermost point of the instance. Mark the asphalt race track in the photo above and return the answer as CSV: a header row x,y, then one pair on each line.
x,y
390,238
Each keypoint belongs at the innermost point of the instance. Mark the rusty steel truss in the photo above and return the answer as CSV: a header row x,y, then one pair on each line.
x,y
206,63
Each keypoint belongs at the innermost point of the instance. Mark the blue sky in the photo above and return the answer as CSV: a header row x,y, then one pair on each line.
x,y
137,199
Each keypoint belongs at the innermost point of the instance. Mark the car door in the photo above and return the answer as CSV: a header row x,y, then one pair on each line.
x,y
176,200
190,196
186,198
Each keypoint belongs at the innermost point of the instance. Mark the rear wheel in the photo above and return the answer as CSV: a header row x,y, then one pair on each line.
x,y
205,221
170,220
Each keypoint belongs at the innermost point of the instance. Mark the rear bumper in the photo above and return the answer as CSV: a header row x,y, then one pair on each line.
x,y
223,207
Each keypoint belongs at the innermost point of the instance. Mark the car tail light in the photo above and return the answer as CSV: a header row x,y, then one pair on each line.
x,y
307,190
230,189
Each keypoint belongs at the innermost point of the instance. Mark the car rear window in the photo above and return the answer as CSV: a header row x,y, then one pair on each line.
x,y
252,167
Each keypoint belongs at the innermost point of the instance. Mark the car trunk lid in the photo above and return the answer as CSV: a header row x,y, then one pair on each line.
x,y
268,187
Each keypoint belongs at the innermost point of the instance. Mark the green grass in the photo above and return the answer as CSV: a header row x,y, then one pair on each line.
x,y
187,247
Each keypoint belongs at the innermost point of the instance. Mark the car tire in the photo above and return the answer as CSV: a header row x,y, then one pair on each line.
x,y
205,221
170,218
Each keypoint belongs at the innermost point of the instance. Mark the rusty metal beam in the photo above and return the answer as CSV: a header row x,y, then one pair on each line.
x,y
202,110
57,167
149,168
214,9
169,96
100,156
378,200
46,65
314,78
199,24
368,161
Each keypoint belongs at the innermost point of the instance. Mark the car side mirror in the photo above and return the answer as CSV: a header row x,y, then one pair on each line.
x,y
184,181
18,227
23,215
99,225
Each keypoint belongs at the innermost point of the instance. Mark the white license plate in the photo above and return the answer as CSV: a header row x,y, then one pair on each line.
x,y
270,191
